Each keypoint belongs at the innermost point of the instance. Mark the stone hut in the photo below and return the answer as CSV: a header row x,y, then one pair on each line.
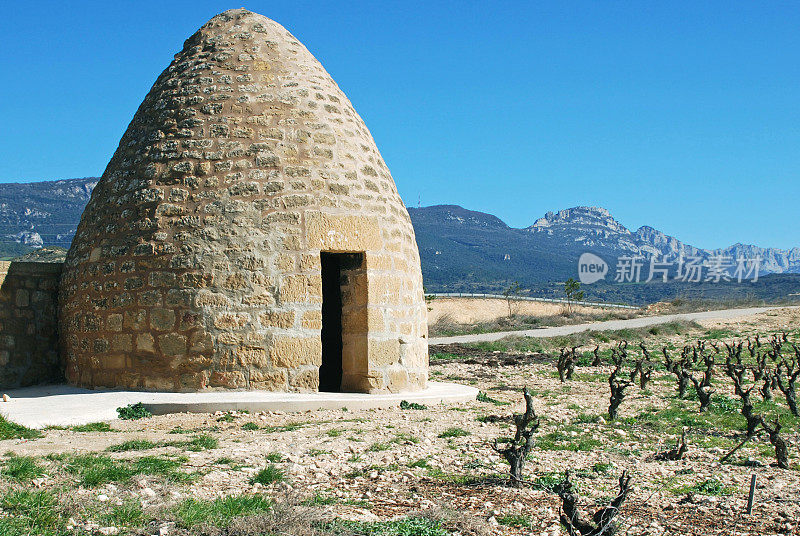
x,y
246,234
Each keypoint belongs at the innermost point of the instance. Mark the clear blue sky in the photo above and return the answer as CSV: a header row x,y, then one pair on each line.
x,y
680,115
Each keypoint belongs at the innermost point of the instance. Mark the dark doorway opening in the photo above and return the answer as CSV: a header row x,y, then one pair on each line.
x,y
337,269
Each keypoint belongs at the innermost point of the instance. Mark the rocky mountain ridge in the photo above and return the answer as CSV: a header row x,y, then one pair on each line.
x,y
595,227
37,214
452,239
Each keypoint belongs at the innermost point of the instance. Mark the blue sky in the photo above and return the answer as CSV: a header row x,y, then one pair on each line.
x,y
680,115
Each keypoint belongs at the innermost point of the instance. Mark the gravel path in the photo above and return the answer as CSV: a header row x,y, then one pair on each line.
x,y
610,325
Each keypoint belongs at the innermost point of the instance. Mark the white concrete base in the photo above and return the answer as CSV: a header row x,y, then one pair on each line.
x,y
64,405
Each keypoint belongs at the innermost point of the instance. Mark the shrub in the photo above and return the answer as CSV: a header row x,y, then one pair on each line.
x,y
404,404
133,412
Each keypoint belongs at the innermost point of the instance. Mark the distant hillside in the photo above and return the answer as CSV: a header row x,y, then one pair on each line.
x,y
463,250
468,251
36,214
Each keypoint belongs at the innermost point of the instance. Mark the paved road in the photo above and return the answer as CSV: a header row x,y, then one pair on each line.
x,y
609,325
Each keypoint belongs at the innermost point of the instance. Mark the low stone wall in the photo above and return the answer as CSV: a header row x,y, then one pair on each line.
x,y
28,324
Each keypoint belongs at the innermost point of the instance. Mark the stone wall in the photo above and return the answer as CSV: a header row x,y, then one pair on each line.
x,y
28,334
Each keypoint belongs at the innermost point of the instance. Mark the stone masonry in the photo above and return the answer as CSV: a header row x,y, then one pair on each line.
x,y
197,265
28,338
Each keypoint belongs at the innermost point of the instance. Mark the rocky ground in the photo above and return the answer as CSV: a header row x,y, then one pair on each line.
x,y
192,472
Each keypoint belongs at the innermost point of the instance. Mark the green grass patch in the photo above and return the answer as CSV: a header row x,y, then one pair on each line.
x,y
559,440
220,512
250,426
127,514
134,444
405,404
710,486
22,468
483,397
12,430
201,442
455,432
547,481
517,521
585,418
93,427
291,427
30,512
268,475
93,470
410,526
274,457
444,356
320,500
601,467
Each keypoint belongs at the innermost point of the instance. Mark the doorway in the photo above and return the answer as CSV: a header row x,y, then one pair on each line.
x,y
340,272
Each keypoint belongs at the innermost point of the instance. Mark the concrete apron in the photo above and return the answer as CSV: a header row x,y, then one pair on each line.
x,y
64,405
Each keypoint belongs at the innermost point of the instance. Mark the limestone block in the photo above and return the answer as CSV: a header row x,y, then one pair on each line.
x,y
228,380
252,356
396,378
162,319
337,232
268,379
383,352
294,352
172,344
277,319
301,289
312,319
305,380
145,343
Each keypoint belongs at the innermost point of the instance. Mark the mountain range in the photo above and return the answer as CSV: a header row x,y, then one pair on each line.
x,y
462,250
39,214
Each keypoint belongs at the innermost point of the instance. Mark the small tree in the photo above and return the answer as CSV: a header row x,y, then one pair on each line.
x,y
511,294
573,291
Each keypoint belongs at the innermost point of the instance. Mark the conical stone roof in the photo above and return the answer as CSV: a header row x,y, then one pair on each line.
x,y
197,260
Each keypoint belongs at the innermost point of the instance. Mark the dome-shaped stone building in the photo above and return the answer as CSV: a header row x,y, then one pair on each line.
x,y
245,235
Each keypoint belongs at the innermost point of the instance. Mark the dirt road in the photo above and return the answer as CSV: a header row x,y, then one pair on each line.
x,y
610,325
